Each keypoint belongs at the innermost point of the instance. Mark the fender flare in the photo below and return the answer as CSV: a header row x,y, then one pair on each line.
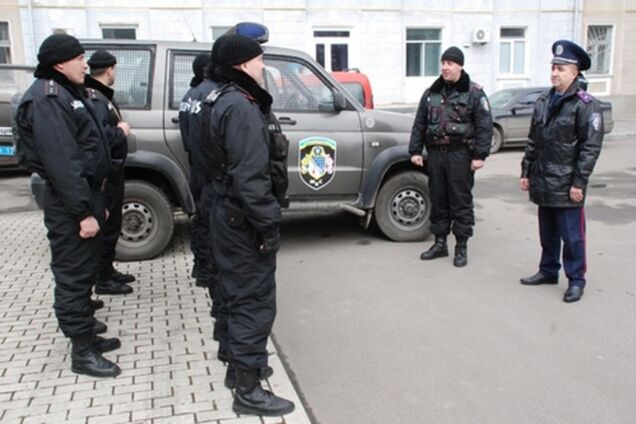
x,y
382,164
170,170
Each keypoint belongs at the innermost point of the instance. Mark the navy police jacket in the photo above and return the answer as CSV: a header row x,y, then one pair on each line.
x,y
563,146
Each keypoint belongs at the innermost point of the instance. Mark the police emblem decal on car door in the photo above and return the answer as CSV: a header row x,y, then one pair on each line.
x,y
317,159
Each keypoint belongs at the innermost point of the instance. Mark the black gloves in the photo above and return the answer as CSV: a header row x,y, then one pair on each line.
x,y
270,243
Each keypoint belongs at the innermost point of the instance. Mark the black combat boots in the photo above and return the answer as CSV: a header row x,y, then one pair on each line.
x,y
461,254
438,250
85,359
230,375
251,398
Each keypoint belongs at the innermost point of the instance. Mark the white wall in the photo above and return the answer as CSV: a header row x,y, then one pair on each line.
x,y
377,27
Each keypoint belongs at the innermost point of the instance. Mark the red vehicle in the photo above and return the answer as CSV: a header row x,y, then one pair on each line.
x,y
357,84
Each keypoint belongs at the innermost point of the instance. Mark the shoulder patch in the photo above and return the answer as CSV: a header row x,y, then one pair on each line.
x,y
51,88
596,120
584,96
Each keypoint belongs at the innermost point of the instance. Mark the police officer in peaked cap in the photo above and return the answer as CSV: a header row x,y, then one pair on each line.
x,y
566,134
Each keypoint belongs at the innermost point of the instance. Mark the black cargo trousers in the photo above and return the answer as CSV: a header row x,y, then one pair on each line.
x,y
200,228
450,182
245,297
74,263
113,200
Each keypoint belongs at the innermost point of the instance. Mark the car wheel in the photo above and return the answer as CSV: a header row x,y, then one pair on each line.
x,y
497,140
147,222
403,207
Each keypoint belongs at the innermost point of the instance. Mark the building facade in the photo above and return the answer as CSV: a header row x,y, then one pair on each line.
x,y
396,42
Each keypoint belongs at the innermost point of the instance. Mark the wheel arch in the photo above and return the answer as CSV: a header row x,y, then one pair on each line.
x,y
162,172
388,163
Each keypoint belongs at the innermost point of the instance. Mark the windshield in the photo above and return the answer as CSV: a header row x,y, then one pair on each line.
x,y
499,99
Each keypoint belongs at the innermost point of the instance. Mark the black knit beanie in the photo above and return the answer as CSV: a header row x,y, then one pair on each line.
x,y
454,54
58,48
101,59
236,49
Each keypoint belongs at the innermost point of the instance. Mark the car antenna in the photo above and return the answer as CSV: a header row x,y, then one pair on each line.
x,y
194,37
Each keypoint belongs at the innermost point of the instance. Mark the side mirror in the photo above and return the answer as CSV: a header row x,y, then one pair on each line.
x,y
339,101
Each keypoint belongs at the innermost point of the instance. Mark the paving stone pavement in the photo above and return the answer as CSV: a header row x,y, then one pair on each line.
x,y
170,373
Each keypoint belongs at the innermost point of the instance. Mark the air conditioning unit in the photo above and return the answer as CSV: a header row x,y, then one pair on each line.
x,y
480,36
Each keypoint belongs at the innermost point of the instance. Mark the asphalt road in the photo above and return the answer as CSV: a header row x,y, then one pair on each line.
x,y
374,335
371,334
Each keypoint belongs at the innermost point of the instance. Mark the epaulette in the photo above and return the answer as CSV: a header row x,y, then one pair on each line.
x,y
213,96
584,96
51,88
92,93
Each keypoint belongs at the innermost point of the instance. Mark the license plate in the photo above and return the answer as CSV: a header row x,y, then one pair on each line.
x,y
7,151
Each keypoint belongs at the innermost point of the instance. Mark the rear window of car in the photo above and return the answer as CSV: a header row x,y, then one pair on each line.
x,y
133,77
181,75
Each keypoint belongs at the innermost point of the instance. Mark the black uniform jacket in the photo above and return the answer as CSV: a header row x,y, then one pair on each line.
x,y
108,113
563,146
476,111
69,149
197,95
239,120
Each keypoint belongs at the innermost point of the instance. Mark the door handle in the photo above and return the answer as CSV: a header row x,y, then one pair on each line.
x,y
284,120
175,119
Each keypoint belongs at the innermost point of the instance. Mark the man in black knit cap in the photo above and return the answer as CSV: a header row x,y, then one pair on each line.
x,y
454,125
200,86
60,138
246,214
98,85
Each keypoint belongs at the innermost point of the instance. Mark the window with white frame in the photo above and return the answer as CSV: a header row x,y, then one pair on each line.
x,y
119,32
512,51
218,31
599,47
5,43
423,51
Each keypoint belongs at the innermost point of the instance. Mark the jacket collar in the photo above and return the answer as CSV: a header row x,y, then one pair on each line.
x,y
91,82
246,84
462,85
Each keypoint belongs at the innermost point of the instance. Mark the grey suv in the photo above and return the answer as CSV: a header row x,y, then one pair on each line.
x,y
340,156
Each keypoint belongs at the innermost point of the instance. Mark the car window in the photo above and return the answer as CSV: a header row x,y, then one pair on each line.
x,y
356,89
296,87
529,98
132,81
499,99
180,76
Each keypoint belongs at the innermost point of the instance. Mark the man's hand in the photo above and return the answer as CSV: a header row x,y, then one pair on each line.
x,y
89,227
124,127
524,184
476,164
576,194
270,243
417,160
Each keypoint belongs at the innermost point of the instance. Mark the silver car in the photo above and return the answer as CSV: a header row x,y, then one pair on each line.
x,y
512,112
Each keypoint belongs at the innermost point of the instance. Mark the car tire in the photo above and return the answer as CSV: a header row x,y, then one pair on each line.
x,y
403,207
497,140
147,222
